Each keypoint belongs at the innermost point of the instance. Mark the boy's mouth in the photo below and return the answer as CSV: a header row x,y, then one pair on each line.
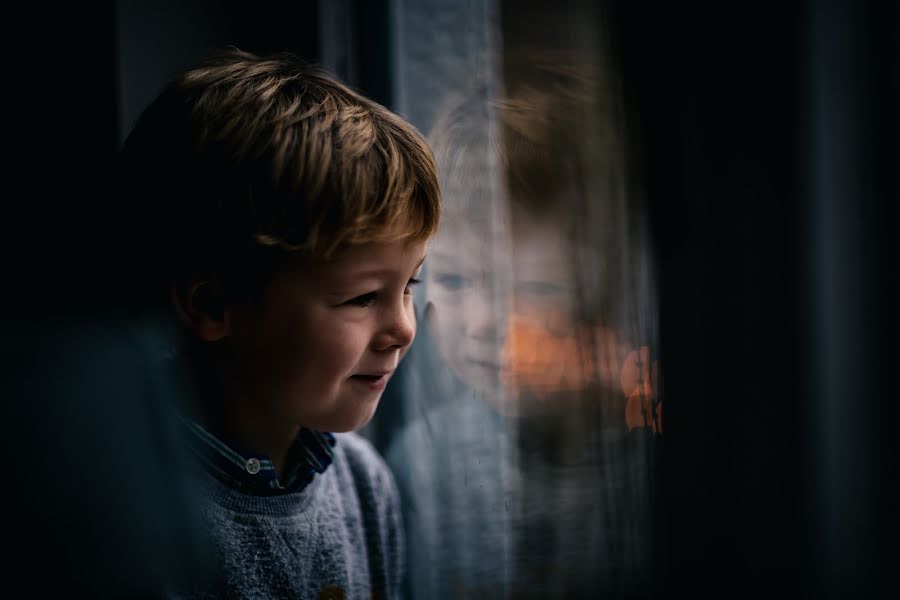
x,y
375,381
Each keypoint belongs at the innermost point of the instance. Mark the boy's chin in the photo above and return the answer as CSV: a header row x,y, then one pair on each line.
x,y
349,421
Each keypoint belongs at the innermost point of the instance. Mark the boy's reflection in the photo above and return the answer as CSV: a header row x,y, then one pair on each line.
x,y
519,477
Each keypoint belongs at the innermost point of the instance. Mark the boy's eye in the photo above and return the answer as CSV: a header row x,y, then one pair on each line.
x,y
451,281
364,300
410,284
369,299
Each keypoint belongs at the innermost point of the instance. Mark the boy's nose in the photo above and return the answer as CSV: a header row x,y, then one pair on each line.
x,y
399,329
483,315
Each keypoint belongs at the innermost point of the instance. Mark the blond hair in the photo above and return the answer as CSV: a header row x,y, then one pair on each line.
x,y
246,154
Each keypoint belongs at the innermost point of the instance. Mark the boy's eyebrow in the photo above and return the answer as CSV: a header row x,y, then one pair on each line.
x,y
388,271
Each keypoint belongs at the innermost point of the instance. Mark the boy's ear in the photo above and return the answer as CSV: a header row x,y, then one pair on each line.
x,y
200,306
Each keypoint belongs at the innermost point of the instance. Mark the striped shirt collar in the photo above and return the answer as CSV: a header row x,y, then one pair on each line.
x,y
253,473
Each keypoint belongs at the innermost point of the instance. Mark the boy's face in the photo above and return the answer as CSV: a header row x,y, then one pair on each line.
x,y
468,299
480,291
328,336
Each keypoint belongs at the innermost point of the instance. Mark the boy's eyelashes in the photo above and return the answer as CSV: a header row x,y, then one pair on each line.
x,y
364,300
451,281
369,298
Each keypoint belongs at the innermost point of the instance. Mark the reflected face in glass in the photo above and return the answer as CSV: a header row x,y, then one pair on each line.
x,y
480,291
328,336
468,302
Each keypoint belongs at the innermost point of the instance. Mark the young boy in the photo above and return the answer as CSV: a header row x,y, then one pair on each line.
x,y
281,220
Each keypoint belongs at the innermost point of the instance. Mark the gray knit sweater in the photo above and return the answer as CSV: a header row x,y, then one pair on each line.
x,y
340,537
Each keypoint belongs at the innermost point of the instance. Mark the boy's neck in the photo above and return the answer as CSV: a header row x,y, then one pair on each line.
x,y
228,416
247,427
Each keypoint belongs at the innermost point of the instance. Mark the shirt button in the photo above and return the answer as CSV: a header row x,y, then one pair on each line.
x,y
252,466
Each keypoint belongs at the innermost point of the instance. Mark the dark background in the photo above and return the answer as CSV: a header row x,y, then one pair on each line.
x,y
765,138
768,133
